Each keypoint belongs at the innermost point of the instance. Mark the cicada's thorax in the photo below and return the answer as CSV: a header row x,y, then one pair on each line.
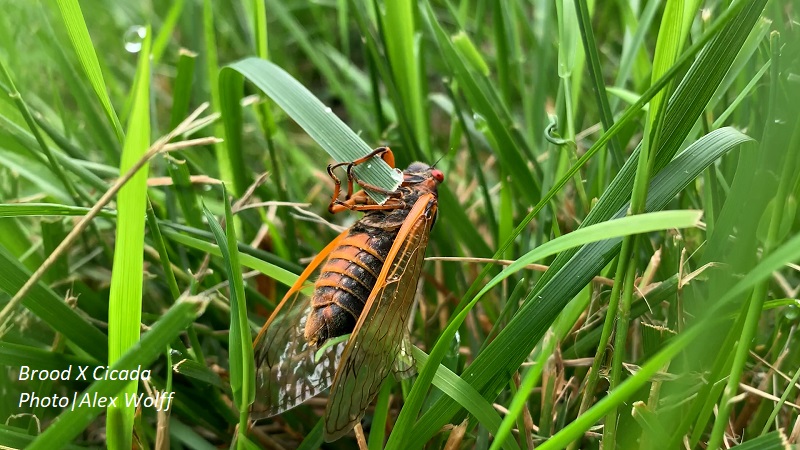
x,y
352,269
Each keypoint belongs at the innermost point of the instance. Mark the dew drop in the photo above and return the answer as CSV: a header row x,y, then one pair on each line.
x,y
328,110
480,122
134,37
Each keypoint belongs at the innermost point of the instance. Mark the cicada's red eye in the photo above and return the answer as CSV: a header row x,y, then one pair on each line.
x,y
438,175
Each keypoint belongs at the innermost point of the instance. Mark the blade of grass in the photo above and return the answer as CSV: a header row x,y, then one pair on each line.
x,y
240,349
510,145
453,108
125,296
787,253
49,307
312,115
82,44
187,239
533,318
71,165
178,171
165,33
775,440
55,167
25,355
668,46
158,147
298,31
732,21
163,255
47,209
463,393
277,273
402,52
71,423
596,74
19,438
756,301
265,116
379,417
381,70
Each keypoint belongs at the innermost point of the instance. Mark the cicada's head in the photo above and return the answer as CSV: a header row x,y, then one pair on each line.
x,y
419,173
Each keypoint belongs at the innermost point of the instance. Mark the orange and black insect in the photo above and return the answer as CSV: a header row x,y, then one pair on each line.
x,y
366,286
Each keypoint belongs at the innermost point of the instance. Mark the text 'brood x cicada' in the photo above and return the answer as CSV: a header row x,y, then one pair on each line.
x,y
367,280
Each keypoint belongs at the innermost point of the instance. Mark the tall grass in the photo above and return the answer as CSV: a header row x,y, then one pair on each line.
x,y
614,262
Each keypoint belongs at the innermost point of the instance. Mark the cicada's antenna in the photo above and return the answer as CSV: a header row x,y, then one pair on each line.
x,y
437,162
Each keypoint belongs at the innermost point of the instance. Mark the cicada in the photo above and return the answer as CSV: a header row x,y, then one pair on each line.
x,y
366,285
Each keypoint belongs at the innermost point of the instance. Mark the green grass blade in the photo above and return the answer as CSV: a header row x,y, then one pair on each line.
x,y
775,440
47,209
24,355
380,69
477,83
55,167
167,27
29,142
48,306
312,115
731,22
465,395
275,272
182,87
595,71
401,45
510,147
19,438
533,318
296,30
229,162
125,296
240,349
605,231
163,254
731,25
787,253
684,108
144,352
82,44
644,223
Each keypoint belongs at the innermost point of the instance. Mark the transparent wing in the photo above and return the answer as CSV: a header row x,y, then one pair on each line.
x,y
377,345
404,364
287,369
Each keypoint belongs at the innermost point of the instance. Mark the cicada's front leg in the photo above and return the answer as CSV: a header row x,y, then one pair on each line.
x,y
361,201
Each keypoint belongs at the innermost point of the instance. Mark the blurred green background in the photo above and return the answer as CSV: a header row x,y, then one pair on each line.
x,y
547,118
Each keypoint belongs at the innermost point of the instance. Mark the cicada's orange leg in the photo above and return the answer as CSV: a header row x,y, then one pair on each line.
x,y
360,201
386,154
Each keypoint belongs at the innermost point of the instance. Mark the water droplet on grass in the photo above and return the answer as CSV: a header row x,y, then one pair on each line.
x,y
134,37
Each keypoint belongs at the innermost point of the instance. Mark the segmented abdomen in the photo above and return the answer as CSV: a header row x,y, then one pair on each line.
x,y
345,282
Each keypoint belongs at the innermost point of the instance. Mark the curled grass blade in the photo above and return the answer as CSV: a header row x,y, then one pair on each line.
x,y
312,115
